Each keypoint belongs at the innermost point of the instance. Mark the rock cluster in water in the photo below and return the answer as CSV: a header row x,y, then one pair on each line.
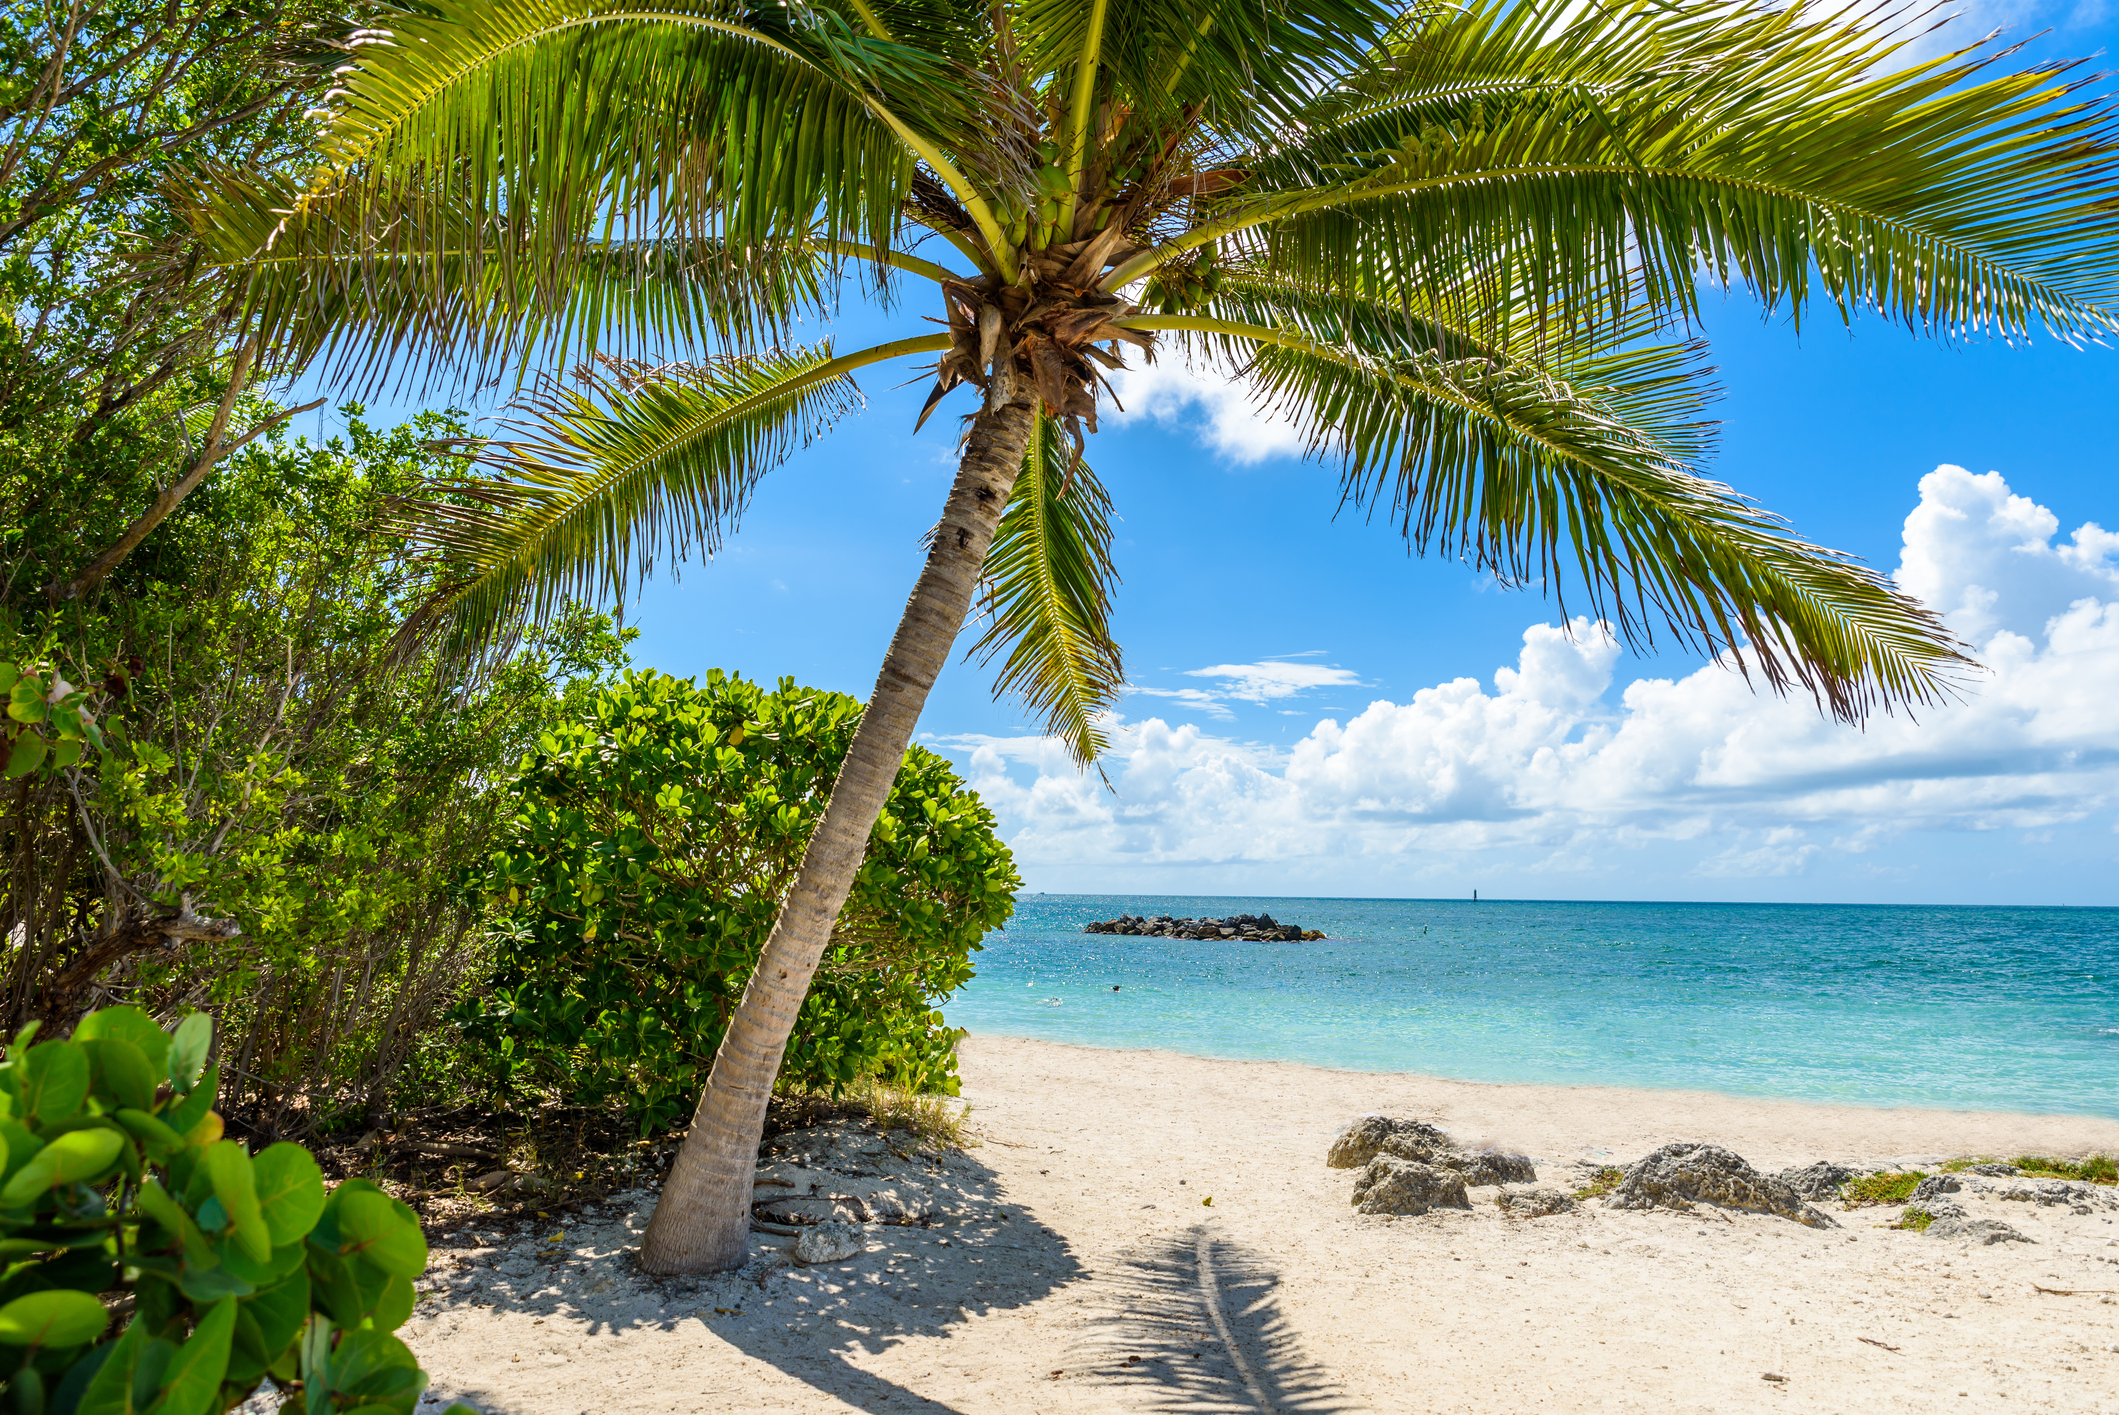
x,y
1241,928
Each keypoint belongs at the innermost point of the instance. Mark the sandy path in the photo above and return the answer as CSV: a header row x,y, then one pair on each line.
x,y
1075,1241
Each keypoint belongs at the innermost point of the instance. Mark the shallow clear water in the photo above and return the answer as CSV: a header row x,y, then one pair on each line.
x,y
2003,1009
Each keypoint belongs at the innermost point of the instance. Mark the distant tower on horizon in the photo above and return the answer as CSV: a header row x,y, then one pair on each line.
x,y
1475,896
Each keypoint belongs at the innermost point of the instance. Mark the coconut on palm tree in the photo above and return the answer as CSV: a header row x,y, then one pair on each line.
x,y
1459,244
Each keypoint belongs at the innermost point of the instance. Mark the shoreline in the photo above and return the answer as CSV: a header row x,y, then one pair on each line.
x,y
1854,1107
1141,1231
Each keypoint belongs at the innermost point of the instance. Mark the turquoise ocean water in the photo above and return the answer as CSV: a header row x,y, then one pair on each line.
x,y
2001,1009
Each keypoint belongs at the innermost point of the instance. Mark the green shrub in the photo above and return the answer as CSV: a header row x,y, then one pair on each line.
x,y
643,868
1603,1181
1884,1188
1915,1219
2096,1169
239,1266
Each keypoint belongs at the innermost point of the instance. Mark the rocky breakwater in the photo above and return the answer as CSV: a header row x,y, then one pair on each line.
x,y
1240,928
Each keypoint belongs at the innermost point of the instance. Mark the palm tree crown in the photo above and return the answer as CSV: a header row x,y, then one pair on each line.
x,y
1458,244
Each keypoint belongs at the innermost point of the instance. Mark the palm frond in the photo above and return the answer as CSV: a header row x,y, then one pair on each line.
x,y
1246,67
1048,596
603,477
354,307
1527,465
548,157
1625,147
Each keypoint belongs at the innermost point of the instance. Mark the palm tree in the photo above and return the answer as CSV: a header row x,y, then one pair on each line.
x,y
1461,244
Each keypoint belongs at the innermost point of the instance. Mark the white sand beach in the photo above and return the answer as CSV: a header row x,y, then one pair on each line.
x,y
1075,1266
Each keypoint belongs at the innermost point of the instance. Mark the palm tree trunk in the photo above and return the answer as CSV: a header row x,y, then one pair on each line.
x,y
702,1221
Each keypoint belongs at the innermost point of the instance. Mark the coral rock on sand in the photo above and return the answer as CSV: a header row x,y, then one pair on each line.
x,y
1979,1230
1483,1166
826,1243
1994,1171
1364,1136
1541,1202
1368,1136
1934,1187
1935,1209
2082,1198
1394,1186
1681,1175
1818,1181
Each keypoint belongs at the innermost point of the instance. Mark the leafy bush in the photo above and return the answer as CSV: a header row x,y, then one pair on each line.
x,y
239,1266
283,826
643,869
1602,1181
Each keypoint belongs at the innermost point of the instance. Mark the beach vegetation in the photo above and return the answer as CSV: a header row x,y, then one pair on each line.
x,y
2093,1169
1601,1182
933,1117
646,848
1460,247
1882,1187
1915,1219
235,1268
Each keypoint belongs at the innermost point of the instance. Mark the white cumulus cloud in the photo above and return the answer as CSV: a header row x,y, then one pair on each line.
x,y
1541,767
1212,402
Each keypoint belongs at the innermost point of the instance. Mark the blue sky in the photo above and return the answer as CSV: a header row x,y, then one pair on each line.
x,y
1300,723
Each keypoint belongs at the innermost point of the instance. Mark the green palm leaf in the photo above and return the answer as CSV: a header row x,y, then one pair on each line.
x,y
1048,596
353,307
604,478
1526,462
1626,148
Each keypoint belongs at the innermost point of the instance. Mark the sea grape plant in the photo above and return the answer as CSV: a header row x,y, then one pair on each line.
x,y
649,848
154,1266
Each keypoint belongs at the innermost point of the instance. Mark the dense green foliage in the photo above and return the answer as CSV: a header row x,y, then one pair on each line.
x,y
643,868
284,826
239,1266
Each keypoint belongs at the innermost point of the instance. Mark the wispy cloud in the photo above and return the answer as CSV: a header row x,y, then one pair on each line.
x,y
1268,680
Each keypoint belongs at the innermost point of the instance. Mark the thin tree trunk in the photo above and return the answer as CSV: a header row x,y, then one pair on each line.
x,y
702,1221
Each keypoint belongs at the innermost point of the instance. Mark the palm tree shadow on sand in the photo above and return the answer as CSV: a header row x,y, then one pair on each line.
x,y
1192,1323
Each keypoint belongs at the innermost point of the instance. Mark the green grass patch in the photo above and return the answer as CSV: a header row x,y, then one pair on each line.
x,y
2094,1169
1959,1166
1602,1182
1915,1219
1885,1188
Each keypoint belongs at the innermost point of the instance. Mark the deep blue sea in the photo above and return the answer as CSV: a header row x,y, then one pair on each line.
x,y
2002,1009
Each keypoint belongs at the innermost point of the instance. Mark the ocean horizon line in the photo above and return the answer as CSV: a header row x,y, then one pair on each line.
x,y
1538,899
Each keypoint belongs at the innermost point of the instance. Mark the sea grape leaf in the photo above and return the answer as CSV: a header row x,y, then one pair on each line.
x,y
373,1367
393,1307
194,1375
241,1265
54,1082
121,1069
290,1190
57,1317
161,1141
129,1024
379,1228
110,1389
77,1156
235,1185
154,1201
187,1051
